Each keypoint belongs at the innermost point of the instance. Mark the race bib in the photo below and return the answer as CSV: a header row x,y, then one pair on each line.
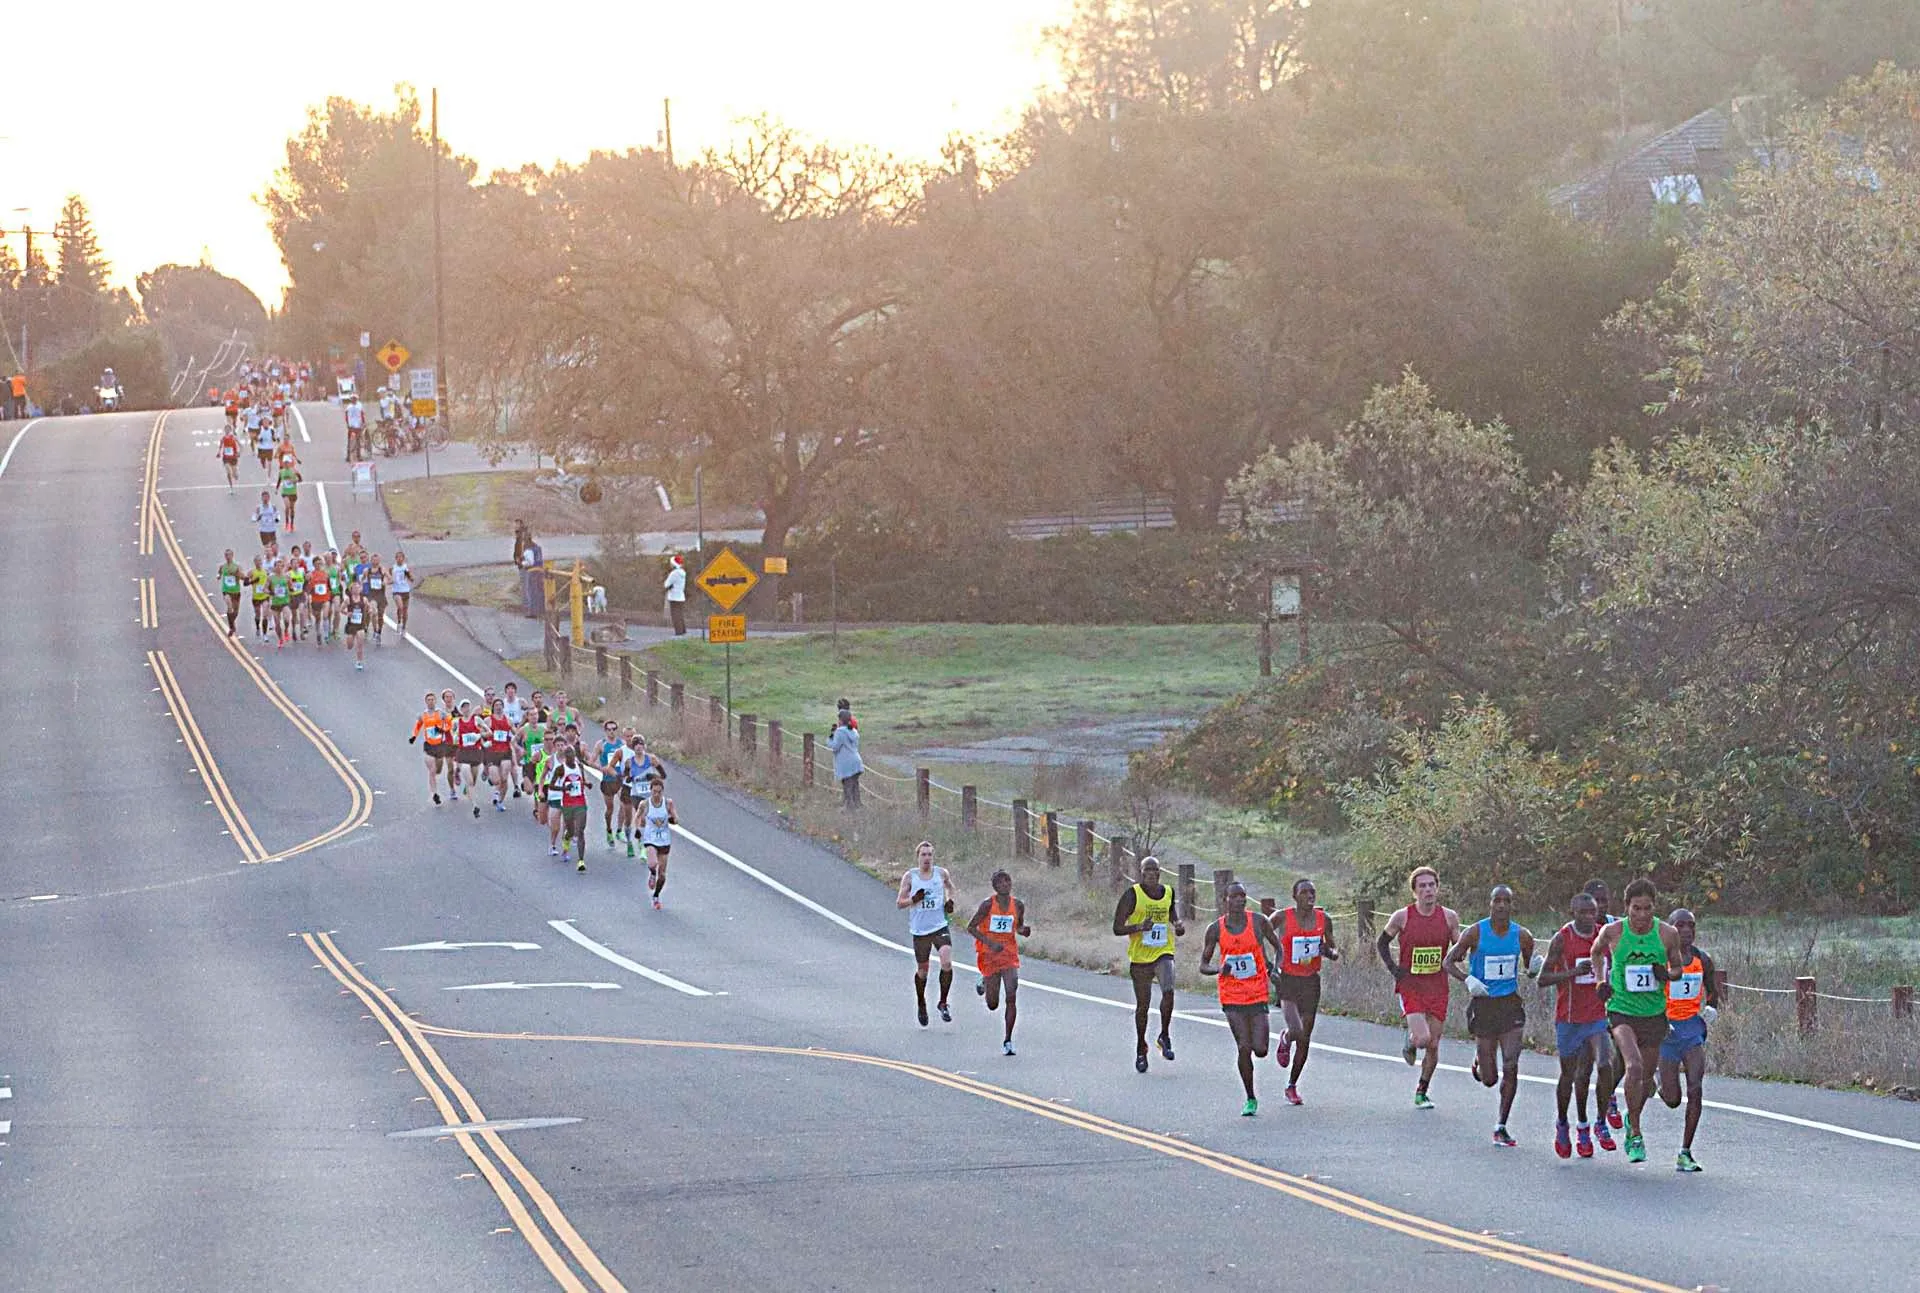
x,y
1154,935
1687,987
1638,978
1000,924
1501,967
1586,976
1305,947
928,902
1238,966
1426,960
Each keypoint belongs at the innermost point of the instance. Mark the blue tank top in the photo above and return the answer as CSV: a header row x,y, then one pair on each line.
x,y
1495,959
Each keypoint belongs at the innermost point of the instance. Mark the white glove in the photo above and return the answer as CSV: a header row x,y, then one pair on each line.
x,y
1475,988
1538,964
1709,1014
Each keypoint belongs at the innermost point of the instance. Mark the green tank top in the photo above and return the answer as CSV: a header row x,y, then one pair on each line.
x,y
1635,991
230,578
277,585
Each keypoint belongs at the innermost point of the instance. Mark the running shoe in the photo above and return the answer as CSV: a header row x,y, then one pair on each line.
x,y
499,807
1685,1163
1283,1051
1502,1140
552,852
923,1014
609,839
1420,1100
436,798
1636,1148
1006,1048
1140,1061
1613,1112
629,848
946,1016
1584,1145
1166,1047
1293,1097
656,907
1605,1137
980,988
582,867
1251,1108
1563,1141
1476,1068
476,810
359,664
1410,1053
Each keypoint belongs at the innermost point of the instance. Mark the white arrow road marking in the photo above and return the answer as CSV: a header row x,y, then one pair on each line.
x,y
444,946
517,987
566,930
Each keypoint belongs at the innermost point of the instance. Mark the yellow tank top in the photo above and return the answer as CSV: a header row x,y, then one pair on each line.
x,y
1156,940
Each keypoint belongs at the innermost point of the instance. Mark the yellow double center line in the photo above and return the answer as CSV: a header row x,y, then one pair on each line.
x,y
223,800
154,522
455,1106
1554,1265
149,605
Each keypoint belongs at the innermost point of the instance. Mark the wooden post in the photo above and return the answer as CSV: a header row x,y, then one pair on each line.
x,y
748,732
626,674
1721,991
653,688
923,792
599,660
806,759
1363,920
1903,1001
1805,1003
773,744
1222,877
1266,647
549,653
1022,830
1117,862
969,808
565,646
715,713
1184,891
1052,820
1083,840
1266,907
677,697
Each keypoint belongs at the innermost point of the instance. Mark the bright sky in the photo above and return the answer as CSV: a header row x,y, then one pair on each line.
x,y
170,119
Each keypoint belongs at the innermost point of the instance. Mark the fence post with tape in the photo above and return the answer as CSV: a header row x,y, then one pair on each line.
x,y
749,732
1806,1002
1185,891
1117,862
773,743
1022,830
923,792
1052,821
969,808
1083,841
653,689
1903,1001
806,759
1222,877
1363,919
677,695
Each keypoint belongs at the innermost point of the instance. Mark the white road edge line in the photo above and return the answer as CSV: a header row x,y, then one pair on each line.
x,y
326,515
6,1093
567,931
786,891
15,443
304,437
6,1128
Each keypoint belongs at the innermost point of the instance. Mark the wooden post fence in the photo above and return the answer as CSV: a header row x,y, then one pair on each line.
x,y
773,744
599,660
1903,1001
969,808
626,674
653,688
923,792
565,645
749,732
806,759
1184,891
677,697
1721,991
1052,820
1083,842
1806,1004
1363,920
1266,906
1117,862
1022,830
1222,877
549,651
715,714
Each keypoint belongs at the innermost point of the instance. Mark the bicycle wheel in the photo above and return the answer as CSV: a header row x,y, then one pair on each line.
x,y
438,436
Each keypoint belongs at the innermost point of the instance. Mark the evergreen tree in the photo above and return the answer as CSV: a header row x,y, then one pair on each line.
x,y
80,263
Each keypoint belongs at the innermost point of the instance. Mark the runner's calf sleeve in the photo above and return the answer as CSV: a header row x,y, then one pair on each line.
x,y
946,981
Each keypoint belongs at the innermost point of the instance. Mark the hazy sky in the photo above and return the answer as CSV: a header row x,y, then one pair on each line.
x,y
169,119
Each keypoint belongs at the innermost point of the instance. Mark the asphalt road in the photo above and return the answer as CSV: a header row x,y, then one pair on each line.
x,y
209,1041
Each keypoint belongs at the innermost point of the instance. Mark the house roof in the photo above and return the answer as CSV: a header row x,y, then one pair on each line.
x,y
1695,146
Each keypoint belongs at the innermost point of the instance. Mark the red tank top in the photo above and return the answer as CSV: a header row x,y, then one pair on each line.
x,y
1423,942
1578,1001
1003,924
501,734
1292,934
1243,966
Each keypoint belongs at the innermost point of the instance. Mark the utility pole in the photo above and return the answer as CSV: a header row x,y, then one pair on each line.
x,y
439,296
666,133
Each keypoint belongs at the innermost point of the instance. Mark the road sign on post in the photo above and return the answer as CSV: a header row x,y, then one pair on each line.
x,y
392,356
726,628
726,579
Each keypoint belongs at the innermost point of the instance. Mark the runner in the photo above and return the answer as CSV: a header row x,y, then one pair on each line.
x,y
1579,1023
231,580
289,490
320,597
1635,957
402,579
260,431
297,593
928,890
569,776
533,741
279,595
611,759
266,519
432,724
1425,930
1146,918
998,925
230,456
376,580
1241,937
1693,1001
657,820
257,580
1607,1064
499,752
564,715
354,632
635,772
1496,951
1306,937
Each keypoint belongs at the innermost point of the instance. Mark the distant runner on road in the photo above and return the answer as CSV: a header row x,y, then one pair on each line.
x,y
1496,952
1637,957
926,892
1240,939
1146,918
657,820
998,925
1305,935
1693,1001
1425,930
1579,1023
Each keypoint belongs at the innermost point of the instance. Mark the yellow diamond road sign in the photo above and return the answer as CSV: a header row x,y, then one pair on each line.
x,y
393,356
727,579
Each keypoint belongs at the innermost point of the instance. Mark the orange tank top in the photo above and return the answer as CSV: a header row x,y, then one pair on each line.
x,y
1243,966
1687,991
1300,944
1001,950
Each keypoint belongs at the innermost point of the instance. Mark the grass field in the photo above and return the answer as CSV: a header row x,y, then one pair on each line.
x,y
494,586
483,505
961,682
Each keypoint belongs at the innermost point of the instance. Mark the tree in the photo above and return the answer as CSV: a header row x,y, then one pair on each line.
x,y
1175,55
80,265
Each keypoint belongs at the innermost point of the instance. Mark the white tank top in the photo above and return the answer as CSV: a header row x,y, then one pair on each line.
x,y
654,829
929,915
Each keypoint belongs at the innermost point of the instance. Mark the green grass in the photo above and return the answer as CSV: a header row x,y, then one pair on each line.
x,y
957,682
483,505
494,586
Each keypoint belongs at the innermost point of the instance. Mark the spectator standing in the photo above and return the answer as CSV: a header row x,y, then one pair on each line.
x,y
533,588
676,586
844,741
18,390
